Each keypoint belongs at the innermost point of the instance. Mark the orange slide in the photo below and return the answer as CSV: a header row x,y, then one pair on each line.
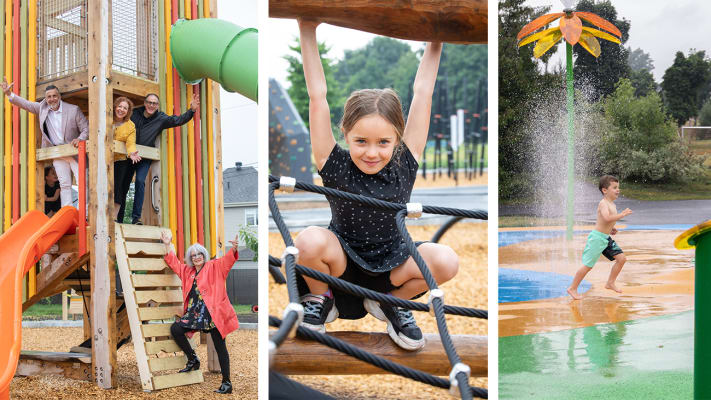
x,y
20,248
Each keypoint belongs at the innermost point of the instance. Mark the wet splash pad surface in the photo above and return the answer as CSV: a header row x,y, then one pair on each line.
x,y
637,344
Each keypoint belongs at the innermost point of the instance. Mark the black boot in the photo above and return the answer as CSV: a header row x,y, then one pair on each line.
x,y
192,365
225,388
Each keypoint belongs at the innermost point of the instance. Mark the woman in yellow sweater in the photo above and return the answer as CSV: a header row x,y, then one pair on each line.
x,y
124,131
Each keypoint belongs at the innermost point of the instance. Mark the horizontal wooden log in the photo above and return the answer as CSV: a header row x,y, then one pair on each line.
x,y
168,346
159,313
150,153
172,380
453,21
159,296
147,264
155,280
149,249
156,330
306,357
167,363
141,231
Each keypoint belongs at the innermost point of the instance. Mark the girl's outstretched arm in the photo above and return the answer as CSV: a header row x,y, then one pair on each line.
x,y
418,119
322,140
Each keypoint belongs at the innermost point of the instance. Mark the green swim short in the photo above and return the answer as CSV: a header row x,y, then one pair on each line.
x,y
595,245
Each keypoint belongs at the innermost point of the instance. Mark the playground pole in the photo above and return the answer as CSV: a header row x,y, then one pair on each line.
x,y
571,136
699,237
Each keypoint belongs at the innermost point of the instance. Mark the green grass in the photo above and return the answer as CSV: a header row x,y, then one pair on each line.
x,y
242,308
43,311
700,190
509,221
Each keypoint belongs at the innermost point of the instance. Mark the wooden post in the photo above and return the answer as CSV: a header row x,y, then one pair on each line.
x,y
101,165
217,146
213,363
306,357
454,21
65,305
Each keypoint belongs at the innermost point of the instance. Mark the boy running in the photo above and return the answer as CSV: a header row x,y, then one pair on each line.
x,y
599,240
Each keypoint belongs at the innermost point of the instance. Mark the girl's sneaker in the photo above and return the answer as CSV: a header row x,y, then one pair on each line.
x,y
402,328
318,311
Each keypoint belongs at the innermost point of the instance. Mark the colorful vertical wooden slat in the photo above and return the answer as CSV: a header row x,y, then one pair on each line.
x,y
171,133
180,232
191,169
7,156
17,77
4,103
31,118
207,207
162,49
23,113
211,148
81,231
198,174
184,152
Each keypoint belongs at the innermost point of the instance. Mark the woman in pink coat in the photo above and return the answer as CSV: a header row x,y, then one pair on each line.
x,y
206,306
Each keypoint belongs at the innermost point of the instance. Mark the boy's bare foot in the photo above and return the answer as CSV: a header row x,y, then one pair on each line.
x,y
574,294
612,286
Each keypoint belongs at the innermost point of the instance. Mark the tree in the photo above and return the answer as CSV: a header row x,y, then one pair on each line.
x,y
640,142
685,85
598,76
639,60
520,85
643,82
298,93
705,114
383,63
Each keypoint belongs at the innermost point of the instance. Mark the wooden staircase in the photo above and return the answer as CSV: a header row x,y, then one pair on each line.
x,y
153,297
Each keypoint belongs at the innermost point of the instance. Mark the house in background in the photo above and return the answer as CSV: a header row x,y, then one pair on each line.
x,y
239,186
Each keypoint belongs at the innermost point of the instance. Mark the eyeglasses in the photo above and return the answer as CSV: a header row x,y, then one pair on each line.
x,y
198,255
152,103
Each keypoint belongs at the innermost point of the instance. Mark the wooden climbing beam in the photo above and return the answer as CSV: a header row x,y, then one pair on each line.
x,y
452,21
306,357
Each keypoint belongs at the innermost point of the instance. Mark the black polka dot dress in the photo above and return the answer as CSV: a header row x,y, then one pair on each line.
x,y
369,236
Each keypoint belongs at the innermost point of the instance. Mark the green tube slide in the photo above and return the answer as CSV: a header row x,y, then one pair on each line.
x,y
216,49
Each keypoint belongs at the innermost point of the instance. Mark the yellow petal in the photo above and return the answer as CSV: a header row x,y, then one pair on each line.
x,y
546,42
601,34
590,44
537,36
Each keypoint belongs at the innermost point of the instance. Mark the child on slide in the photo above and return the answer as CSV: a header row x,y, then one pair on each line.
x,y
362,245
599,241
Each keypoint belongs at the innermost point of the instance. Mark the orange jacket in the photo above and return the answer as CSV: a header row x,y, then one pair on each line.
x,y
211,283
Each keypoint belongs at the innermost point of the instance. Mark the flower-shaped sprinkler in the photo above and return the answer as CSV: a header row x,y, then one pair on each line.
x,y
571,28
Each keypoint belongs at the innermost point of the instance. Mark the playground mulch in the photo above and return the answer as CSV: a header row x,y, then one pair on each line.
x,y
241,345
467,289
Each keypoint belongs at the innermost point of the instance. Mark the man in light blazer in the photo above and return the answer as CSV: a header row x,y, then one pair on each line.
x,y
60,123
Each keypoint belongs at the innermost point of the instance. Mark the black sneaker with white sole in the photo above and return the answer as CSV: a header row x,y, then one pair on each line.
x,y
318,310
402,328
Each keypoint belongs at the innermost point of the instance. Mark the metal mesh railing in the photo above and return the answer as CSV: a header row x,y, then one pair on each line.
x,y
62,38
135,37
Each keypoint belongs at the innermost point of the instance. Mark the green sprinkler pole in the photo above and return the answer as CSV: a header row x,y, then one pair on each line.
x,y
571,148
699,237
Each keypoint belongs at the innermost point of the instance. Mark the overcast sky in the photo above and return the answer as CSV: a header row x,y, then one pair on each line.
x,y
659,27
239,114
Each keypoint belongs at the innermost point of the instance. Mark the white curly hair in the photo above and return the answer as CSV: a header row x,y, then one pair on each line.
x,y
194,249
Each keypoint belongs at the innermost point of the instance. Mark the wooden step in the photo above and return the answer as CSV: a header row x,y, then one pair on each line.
x,y
178,379
50,280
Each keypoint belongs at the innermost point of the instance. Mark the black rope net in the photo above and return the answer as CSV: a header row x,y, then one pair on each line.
x,y
459,377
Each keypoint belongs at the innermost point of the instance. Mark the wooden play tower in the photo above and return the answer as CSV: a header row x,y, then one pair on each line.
x,y
95,51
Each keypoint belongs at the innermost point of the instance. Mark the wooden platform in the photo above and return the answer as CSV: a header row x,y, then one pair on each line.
x,y
70,365
306,357
153,297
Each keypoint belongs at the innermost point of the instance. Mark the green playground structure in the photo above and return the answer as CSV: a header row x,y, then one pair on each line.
x,y
216,49
699,237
